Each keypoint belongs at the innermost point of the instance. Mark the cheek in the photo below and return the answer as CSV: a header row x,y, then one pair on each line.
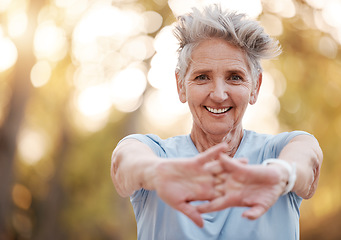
x,y
241,95
195,93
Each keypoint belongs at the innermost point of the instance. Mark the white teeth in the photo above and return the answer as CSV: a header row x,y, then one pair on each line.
x,y
220,110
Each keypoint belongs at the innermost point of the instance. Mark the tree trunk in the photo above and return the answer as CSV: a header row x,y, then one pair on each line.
x,y
21,89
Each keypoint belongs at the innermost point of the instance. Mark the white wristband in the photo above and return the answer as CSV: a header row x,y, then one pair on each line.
x,y
291,168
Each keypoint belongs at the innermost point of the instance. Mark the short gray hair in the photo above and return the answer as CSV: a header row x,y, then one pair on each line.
x,y
213,22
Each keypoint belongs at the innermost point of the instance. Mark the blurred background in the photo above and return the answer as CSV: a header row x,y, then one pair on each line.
x,y
76,76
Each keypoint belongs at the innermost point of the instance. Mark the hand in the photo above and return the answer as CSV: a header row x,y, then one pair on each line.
x,y
180,181
254,186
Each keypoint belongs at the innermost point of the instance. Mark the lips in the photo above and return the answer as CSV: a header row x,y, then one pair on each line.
x,y
218,110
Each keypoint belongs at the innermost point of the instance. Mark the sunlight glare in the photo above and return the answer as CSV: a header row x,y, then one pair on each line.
x,y
4,5
93,107
9,53
94,100
92,123
331,13
162,72
127,87
106,21
17,23
65,3
318,4
283,8
139,48
87,75
163,108
152,21
32,145
103,22
50,42
40,73
252,8
272,24
262,116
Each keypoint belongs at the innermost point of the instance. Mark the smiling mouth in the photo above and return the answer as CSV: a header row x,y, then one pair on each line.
x,y
218,110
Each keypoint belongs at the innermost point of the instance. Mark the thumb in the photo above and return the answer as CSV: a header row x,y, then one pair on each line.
x,y
254,212
243,160
192,213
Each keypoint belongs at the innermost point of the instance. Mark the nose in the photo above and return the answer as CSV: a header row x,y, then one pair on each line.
x,y
219,92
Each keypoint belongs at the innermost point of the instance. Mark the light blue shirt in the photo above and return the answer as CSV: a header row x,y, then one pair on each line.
x,y
158,221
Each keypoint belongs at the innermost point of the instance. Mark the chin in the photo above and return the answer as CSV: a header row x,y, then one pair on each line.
x,y
219,132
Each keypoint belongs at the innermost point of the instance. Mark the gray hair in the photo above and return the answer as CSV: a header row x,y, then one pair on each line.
x,y
235,28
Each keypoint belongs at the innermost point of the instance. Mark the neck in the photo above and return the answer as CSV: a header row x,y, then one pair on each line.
x,y
204,141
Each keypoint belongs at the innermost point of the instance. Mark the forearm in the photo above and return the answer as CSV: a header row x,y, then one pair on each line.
x,y
133,167
305,152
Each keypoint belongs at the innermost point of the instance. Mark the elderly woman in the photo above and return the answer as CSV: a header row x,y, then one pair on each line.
x,y
220,181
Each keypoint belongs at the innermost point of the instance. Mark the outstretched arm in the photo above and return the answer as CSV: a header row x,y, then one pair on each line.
x,y
304,151
177,181
133,167
259,186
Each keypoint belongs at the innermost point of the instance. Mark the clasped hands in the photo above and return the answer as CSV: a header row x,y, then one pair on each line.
x,y
220,181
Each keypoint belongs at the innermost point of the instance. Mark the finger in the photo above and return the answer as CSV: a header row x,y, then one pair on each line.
x,y
254,212
220,188
228,165
212,153
243,160
214,205
192,213
213,167
218,180
222,176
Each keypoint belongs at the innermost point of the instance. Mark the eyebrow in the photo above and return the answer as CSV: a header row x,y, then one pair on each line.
x,y
207,71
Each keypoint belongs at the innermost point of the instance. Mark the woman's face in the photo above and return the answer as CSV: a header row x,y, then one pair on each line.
x,y
218,87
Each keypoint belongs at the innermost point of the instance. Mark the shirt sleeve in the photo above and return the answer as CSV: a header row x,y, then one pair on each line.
x,y
139,197
151,140
278,142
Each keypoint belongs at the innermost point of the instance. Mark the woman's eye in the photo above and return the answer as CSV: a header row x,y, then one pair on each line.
x,y
235,78
202,77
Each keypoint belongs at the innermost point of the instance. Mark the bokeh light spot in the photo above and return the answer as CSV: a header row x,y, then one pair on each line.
x,y
251,7
152,21
21,196
328,47
331,13
50,42
94,100
272,24
139,48
4,4
17,23
32,145
40,73
9,54
127,86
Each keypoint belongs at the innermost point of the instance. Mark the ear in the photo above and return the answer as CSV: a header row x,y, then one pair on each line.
x,y
255,91
181,87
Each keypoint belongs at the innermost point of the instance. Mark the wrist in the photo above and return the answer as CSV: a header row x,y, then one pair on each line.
x,y
150,174
290,170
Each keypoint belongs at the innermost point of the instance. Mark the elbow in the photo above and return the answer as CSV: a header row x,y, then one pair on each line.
x,y
115,176
315,174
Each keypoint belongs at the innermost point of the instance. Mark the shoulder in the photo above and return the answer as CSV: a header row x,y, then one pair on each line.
x,y
280,138
177,146
259,146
